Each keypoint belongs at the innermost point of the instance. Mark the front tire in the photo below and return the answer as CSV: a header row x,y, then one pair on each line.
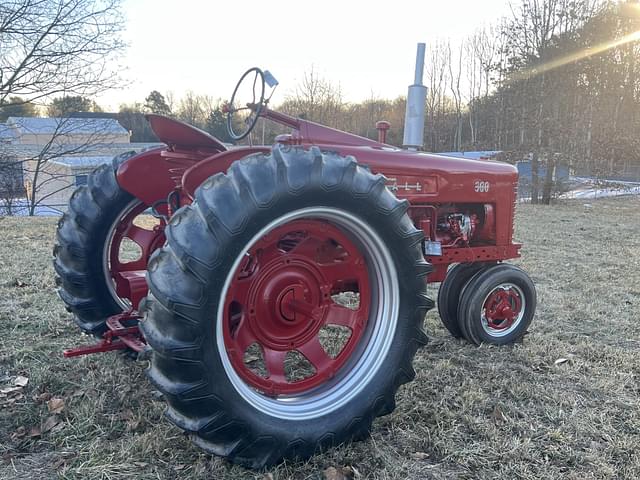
x,y
256,260
449,295
497,305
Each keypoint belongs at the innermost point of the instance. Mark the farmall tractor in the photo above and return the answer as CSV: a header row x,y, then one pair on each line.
x,y
281,290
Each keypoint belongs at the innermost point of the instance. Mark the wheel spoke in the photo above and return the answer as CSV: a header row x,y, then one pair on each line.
x,y
239,290
314,352
274,360
268,253
343,316
141,236
244,336
134,266
122,286
342,271
303,308
308,247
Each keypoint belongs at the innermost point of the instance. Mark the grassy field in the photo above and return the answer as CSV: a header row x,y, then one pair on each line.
x,y
563,404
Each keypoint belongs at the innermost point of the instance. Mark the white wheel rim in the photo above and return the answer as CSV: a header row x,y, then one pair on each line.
x,y
106,251
494,332
375,344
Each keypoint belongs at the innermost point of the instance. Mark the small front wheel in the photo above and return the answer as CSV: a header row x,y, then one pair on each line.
x,y
497,305
450,292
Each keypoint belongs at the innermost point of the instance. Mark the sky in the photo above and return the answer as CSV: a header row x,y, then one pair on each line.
x,y
367,48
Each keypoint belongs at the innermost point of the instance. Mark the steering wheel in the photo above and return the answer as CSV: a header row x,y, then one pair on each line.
x,y
246,104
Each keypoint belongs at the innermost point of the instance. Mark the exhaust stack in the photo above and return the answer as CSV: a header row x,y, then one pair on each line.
x,y
416,102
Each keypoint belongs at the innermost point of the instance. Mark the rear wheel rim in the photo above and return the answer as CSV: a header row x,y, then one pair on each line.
x,y
503,309
113,267
279,299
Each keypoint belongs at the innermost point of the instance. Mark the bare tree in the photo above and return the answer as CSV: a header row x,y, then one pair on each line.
x,y
170,97
318,100
455,87
480,51
534,33
51,47
436,73
192,109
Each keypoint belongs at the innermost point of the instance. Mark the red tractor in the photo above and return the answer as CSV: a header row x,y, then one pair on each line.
x,y
281,290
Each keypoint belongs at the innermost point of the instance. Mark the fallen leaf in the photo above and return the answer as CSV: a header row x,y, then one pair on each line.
x,y
20,381
35,432
55,405
419,455
251,358
332,473
268,476
560,361
49,423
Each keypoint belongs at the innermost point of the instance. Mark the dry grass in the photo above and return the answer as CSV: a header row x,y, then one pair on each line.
x,y
471,412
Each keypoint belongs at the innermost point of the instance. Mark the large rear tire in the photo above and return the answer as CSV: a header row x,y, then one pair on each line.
x,y
254,261
81,253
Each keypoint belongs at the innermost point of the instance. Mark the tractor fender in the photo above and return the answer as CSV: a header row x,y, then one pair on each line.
x,y
217,163
146,176
152,175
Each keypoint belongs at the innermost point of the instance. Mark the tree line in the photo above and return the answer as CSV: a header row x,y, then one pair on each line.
x,y
555,82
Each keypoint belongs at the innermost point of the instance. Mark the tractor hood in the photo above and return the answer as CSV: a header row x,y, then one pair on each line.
x,y
425,177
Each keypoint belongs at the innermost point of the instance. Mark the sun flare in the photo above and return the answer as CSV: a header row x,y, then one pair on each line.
x,y
575,56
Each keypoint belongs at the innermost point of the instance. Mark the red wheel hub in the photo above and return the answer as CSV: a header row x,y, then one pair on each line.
x,y
281,298
502,307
